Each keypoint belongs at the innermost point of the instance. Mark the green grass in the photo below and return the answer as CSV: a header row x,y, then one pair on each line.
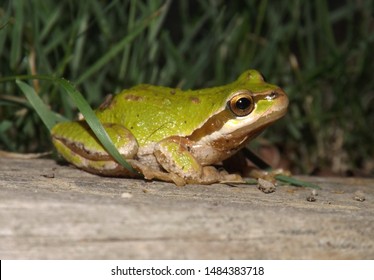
x,y
320,52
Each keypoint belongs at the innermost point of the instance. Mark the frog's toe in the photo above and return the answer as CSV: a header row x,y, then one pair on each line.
x,y
150,173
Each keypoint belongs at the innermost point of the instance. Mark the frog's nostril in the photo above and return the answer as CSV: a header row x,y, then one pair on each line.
x,y
273,95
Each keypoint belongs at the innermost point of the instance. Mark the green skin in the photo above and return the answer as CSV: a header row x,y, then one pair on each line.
x,y
174,135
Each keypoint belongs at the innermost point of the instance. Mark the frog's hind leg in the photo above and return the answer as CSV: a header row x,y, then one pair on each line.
x,y
78,145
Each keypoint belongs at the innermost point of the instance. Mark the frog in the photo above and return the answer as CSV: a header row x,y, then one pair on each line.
x,y
174,135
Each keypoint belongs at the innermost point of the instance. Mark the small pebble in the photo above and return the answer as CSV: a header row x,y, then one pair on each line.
x,y
359,196
126,195
265,186
312,196
49,175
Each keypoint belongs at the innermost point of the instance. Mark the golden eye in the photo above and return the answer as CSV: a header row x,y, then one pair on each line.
x,y
241,104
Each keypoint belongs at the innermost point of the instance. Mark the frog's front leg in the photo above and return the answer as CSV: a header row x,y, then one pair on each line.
x,y
174,156
78,145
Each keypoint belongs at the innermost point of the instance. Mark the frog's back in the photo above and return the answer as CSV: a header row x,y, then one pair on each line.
x,y
152,113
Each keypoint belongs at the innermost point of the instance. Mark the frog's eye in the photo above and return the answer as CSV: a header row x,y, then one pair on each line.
x,y
241,104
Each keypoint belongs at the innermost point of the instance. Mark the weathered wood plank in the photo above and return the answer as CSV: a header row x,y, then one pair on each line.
x,y
76,215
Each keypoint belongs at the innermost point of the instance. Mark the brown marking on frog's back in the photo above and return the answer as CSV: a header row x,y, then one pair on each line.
x,y
108,102
132,97
195,99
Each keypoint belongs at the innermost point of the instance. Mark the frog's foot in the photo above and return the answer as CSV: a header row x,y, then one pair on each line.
x,y
212,175
150,173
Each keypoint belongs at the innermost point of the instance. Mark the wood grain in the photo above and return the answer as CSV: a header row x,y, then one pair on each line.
x,y
50,211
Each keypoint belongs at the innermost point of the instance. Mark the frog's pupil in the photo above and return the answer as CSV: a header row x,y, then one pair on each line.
x,y
243,103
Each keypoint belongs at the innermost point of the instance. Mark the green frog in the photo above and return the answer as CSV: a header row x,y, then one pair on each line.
x,y
173,135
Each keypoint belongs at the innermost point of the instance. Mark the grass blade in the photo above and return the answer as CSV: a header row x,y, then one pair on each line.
x,y
94,123
296,182
116,49
47,116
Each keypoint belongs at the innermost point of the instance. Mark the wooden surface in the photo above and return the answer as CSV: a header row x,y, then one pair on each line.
x,y
49,211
